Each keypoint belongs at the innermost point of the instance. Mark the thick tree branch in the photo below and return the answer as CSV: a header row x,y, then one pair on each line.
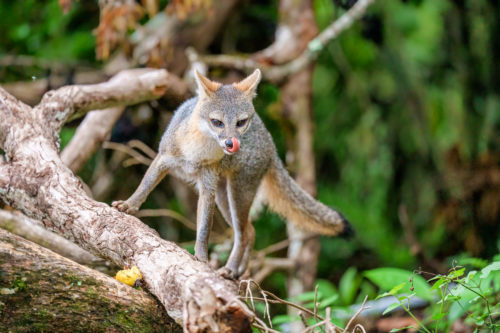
x,y
35,181
127,87
31,91
34,231
278,73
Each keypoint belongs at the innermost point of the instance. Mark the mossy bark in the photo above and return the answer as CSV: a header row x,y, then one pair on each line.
x,y
43,291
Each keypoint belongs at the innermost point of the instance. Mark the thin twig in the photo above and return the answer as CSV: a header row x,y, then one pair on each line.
x,y
167,213
316,300
275,247
363,307
359,327
143,148
127,150
281,301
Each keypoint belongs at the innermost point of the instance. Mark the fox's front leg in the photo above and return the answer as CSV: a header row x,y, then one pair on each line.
x,y
207,185
155,173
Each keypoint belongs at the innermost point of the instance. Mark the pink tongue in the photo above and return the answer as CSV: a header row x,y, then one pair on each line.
x,y
236,146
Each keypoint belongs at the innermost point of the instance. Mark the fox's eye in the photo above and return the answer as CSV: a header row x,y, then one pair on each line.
x,y
217,123
241,123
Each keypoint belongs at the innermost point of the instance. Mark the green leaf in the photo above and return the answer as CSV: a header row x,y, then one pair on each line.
x,y
490,268
282,319
474,262
348,285
326,288
384,295
456,273
305,297
391,307
328,301
438,316
387,278
438,284
397,288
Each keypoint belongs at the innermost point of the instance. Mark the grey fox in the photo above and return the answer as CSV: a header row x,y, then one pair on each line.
x,y
218,143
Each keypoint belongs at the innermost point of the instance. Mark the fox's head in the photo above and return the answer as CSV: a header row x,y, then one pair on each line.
x,y
226,111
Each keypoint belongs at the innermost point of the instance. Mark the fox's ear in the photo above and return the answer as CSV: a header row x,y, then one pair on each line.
x,y
206,87
250,83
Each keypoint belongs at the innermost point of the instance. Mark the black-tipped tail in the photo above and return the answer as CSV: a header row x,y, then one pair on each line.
x,y
348,231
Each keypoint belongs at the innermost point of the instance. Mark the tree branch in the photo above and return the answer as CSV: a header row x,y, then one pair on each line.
x,y
92,132
36,181
34,231
127,87
278,73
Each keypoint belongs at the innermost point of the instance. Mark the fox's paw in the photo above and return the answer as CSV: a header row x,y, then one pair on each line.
x,y
226,273
123,206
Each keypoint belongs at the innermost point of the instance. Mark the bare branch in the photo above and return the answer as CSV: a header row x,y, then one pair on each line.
x,y
94,129
127,87
169,213
361,308
143,148
280,72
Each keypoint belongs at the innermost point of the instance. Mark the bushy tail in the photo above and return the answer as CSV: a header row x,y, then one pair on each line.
x,y
285,197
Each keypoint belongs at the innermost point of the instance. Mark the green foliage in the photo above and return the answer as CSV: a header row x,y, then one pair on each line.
x,y
393,101
473,295
407,282
40,28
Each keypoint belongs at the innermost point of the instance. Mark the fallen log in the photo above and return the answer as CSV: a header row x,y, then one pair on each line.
x,y
43,291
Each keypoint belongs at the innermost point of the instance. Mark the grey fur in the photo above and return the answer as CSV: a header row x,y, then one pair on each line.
x,y
193,149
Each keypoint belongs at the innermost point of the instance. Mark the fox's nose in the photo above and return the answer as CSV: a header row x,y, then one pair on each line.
x,y
229,143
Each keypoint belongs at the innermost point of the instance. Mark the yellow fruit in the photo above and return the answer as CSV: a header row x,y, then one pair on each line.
x,y
129,276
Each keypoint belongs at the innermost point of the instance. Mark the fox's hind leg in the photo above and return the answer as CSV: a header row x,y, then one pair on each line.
x,y
249,242
240,194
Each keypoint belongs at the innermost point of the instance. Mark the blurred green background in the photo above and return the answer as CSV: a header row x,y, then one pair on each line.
x,y
407,122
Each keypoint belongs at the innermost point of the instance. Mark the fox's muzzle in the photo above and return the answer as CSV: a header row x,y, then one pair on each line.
x,y
232,145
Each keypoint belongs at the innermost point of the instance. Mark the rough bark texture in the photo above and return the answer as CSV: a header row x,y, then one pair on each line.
x,y
197,31
42,291
34,180
34,231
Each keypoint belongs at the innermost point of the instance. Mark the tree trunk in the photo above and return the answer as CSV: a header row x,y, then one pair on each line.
x,y
42,291
297,27
304,247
